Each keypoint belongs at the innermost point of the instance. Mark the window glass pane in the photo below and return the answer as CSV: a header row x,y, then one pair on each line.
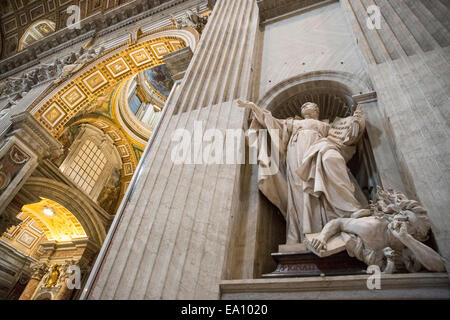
x,y
84,170
135,104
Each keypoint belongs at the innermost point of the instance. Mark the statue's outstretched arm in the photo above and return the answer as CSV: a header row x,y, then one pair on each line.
x,y
262,115
429,258
279,130
258,112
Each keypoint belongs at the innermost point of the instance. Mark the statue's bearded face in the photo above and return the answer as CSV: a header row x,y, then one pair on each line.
x,y
310,111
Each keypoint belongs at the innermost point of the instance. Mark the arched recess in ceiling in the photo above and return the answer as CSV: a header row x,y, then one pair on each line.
x,y
55,220
61,102
91,222
36,31
129,152
91,93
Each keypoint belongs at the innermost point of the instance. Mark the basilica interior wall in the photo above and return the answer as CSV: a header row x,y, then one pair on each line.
x,y
411,86
113,37
191,206
320,39
415,104
109,37
408,63
256,231
187,227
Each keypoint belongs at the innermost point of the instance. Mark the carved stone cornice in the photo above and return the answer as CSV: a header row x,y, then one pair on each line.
x,y
365,97
270,10
178,62
30,131
100,23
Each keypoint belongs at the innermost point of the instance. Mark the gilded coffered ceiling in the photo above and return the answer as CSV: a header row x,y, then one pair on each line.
x,y
17,15
82,93
56,221
91,94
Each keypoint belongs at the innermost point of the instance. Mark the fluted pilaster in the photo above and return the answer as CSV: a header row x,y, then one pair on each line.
x,y
172,236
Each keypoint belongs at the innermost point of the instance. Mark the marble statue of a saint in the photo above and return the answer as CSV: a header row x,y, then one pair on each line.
x,y
313,184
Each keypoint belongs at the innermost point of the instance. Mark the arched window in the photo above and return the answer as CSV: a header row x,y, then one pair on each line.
x,y
91,161
36,31
87,166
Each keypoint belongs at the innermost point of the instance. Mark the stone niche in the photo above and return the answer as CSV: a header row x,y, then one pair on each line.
x,y
261,266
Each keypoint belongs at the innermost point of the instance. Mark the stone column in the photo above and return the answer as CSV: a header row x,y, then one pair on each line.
x,y
172,238
25,144
29,289
64,293
39,270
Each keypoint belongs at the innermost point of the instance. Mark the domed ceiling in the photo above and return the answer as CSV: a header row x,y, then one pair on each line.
x,y
160,79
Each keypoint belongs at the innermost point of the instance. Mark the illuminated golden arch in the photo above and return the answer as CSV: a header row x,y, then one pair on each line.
x,y
56,221
94,222
77,94
36,31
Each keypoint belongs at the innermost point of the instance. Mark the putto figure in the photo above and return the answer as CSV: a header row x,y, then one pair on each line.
x,y
388,234
313,185
191,19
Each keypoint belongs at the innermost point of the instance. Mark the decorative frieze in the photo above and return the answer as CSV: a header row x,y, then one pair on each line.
x,y
178,62
100,23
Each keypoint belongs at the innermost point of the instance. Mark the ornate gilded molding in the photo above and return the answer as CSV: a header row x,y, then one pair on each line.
x,y
76,95
28,128
100,24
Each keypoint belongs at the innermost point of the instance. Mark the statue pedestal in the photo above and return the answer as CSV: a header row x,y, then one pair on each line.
x,y
393,286
304,263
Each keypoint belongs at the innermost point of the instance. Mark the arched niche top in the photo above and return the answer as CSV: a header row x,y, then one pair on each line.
x,y
331,90
35,32
74,201
93,133
94,154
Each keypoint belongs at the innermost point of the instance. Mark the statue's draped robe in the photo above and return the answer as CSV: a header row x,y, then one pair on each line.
x,y
299,150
